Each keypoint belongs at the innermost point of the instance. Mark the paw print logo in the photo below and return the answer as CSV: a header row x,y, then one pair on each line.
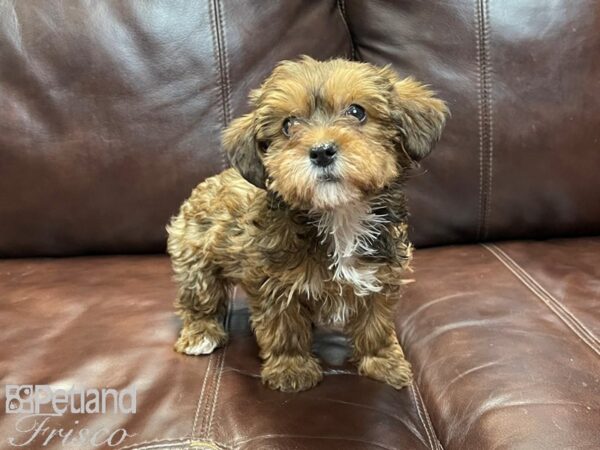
x,y
19,399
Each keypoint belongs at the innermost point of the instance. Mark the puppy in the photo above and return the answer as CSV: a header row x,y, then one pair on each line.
x,y
311,219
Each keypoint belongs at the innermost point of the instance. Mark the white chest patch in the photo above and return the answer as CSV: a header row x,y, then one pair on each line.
x,y
351,232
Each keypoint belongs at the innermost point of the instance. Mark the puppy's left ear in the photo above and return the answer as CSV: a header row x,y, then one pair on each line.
x,y
418,114
241,147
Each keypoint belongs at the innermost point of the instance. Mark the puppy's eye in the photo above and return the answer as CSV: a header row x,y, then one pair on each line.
x,y
286,127
358,112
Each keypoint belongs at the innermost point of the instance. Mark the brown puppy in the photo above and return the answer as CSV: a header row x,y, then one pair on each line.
x,y
311,221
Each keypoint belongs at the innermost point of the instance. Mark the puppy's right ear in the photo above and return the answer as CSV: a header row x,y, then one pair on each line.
x,y
239,143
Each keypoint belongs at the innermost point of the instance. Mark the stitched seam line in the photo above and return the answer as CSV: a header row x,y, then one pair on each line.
x,y
171,441
206,375
177,444
424,417
428,419
174,442
485,119
414,396
490,119
541,292
566,316
209,404
478,59
341,4
210,409
216,397
275,436
210,393
490,107
217,26
225,60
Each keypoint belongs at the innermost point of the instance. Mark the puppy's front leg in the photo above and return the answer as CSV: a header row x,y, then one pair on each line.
x,y
284,336
375,345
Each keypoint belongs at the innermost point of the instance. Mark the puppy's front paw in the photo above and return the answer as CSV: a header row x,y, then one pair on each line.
x,y
291,373
201,345
389,367
201,338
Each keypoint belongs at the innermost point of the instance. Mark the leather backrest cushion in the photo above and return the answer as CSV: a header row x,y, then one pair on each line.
x,y
520,155
110,111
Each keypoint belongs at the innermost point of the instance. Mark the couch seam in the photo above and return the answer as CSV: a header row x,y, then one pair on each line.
x,y
434,442
201,397
311,437
211,404
167,441
219,50
227,100
485,115
341,4
190,443
414,396
208,407
551,302
217,389
205,409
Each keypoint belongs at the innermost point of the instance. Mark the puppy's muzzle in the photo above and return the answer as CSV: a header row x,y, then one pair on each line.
x,y
322,155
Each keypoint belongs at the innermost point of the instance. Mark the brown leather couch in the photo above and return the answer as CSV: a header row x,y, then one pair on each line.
x,y
110,113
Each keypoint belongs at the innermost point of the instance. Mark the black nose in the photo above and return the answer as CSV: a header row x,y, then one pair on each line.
x,y
323,154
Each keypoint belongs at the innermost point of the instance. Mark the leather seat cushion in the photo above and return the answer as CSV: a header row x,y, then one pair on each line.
x,y
503,339
505,342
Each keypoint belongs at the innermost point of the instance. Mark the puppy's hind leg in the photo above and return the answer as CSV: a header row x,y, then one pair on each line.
x,y
201,303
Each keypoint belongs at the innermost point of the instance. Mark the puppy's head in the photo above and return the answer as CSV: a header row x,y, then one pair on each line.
x,y
324,135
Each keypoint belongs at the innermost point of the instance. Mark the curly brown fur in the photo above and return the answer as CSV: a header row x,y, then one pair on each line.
x,y
308,243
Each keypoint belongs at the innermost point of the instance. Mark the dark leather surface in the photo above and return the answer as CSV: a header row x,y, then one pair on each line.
x,y
504,345
109,322
520,155
110,113
111,110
